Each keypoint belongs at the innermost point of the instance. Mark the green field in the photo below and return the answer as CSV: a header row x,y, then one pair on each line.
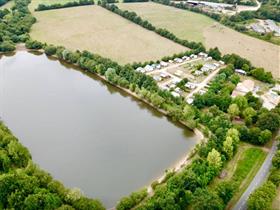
x,y
242,169
185,24
197,27
103,32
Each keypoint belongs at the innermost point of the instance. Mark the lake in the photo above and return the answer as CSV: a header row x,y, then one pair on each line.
x,y
85,132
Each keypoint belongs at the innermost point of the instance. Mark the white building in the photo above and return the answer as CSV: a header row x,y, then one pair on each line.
x,y
175,94
148,68
258,28
271,99
164,64
240,71
140,69
198,73
190,100
271,26
243,88
178,60
157,78
190,85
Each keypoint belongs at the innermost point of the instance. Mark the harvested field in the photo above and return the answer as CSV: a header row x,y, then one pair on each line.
x,y
260,53
100,31
196,27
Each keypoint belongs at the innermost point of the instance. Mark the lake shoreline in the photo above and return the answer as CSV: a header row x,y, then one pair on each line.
x,y
182,162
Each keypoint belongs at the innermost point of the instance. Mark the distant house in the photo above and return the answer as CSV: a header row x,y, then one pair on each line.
x,y
198,73
272,27
148,68
208,67
185,58
190,100
240,71
271,99
140,69
193,56
178,60
190,85
175,81
158,66
164,64
208,58
202,54
258,28
157,78
222,62
243,88
175,94
178,90
201,92
164,75
217,64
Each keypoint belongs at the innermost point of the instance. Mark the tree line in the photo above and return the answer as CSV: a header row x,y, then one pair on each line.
x,y
23,185
263,196
132,16
15,25
42,7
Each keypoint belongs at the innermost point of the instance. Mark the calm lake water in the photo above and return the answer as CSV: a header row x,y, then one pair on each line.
x,y
85,132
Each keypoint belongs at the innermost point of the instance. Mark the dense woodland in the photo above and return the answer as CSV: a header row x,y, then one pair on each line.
x,y
15,25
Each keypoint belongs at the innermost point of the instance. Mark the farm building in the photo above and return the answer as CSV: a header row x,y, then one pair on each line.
x,y
213,5
272,27
258,28
243,88
271,99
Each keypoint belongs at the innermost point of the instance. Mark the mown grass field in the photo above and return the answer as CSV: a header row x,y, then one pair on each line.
x,y
197,27
242,169
100,31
